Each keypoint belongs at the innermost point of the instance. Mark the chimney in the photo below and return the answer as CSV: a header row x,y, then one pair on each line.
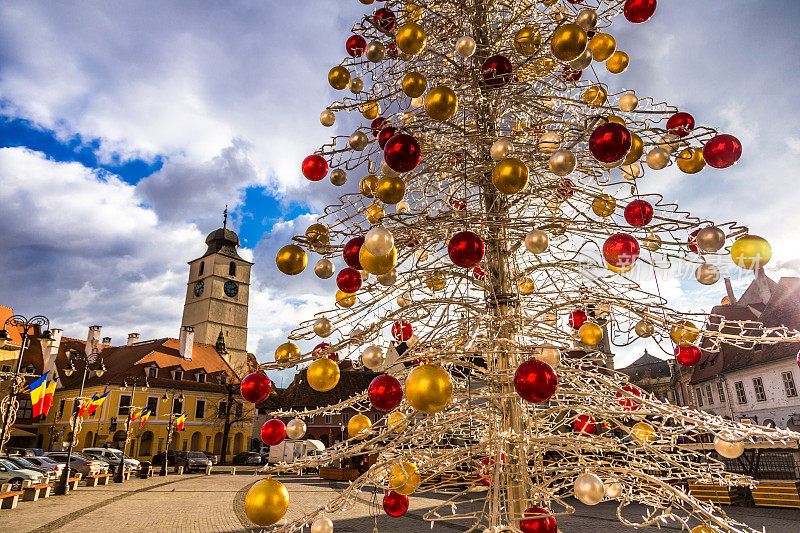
x,y
133,338
187,342
93,339
50,357
729,290
106,341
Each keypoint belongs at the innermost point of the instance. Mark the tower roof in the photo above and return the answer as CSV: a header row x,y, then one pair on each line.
x,y
223,241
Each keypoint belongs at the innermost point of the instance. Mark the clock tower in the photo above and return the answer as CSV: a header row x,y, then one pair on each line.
x,y
217,296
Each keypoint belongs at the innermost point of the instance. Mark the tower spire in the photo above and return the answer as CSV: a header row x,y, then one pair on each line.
x,y
225,218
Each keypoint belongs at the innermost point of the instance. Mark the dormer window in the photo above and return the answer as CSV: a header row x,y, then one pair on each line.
x,y
177,375
201,377
152,372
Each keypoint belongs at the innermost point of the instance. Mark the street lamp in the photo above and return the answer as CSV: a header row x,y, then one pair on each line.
x,y
91,362
27,327
132,382
169,426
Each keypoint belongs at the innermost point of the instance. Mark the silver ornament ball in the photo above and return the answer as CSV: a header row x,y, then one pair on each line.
x,y
501,149
549,142
327,118
537,241
375,51
613,490
372,357
562,162
323,327
295,429
465,46
356,85
550,355
657,158
324,268
583,60
710,239
359,140
589,488
586,19
379,241
338,177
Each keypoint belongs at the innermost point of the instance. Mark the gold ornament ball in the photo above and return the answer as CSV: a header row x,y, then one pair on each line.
x,y
652,242
590,334
266,502
324,268
628,102
604,205
368,185
339,77
549,142
562,162
657,158
615,118
322,374
707,274
644,432
636,151
527,40
370,110
414,84
602,46
537,241
618,62
441,103
435,281
291,259
619,270
404,478
710,239
583,60
704,528
751,252
390,189
510,175
318,234
411,38
327,118
345,299
544,66
357,424
644,328
356,85
568,42
286,352
595,96
338,177
367,2
684,333
690,160
358,140
375,214
377,265
429,388
526,286
501,149
396,421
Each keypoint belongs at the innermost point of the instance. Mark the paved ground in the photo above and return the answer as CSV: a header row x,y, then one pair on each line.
x,y
197,503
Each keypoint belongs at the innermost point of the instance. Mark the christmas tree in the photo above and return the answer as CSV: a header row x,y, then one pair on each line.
x,y
492,242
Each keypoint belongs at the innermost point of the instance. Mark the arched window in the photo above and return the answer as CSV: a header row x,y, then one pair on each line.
x,y
232,269
202,267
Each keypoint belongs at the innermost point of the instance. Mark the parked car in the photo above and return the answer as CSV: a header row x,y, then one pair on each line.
x,y
25,452
211,457
46,461
48,473
191,461
10,473
247,458
113,457
159,458
80,463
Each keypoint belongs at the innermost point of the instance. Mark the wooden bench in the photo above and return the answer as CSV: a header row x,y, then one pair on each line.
x,y
9,499
777,494
97,479
716,493
34,492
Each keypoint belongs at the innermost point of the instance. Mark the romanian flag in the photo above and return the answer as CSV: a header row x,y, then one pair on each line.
x,y
135,413
85,405
49,391
181,420
37,389
145,416
97,402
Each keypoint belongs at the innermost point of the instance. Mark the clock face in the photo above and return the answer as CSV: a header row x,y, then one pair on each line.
x,y
231,289
198,288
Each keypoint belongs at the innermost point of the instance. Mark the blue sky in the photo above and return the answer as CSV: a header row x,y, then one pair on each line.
x,y
125,130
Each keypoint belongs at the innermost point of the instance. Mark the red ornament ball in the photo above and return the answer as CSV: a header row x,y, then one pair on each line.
x,y
692,241
497,71
355,45
621,250
585,424
255,387
687,355
577,318
351,250
465,249
610,142
479,273
639,213
273,432
680,124
722,151
384,19
402,153
315,167
386,133
395,504
487,467
566,189
629,404
377,125
348,280
535,381
385,392
538,520
638,11
323,349
401,331
571,74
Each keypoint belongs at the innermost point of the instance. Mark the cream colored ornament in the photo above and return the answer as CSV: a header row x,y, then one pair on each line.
x,y
418,102
707,274
537,241
296,429
403,207
375,51
586,19
657,158
628,102
338,177
388,279
379,241
356,85
644,328
322,525
465,46
727,449
589,488
631,172
550,355
404,300
327,118
358,140
364,275
562,162
323,327
412,341
670,142
613,490
501,149
372,357
652,242
549,142
324,268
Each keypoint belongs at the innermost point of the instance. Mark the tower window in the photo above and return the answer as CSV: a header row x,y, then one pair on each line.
x,y
202,268
232,269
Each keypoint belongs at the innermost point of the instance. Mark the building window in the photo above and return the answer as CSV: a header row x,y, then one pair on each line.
x,y
223,406
177,406
232,269
721,391
152,372
25,410
152,405
329,419
709,395
6,368
788,384
178,375
124,405
30,369
202,268
239,410
185,444
200,409
758,385
741,396
61,406
699,392
201,377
